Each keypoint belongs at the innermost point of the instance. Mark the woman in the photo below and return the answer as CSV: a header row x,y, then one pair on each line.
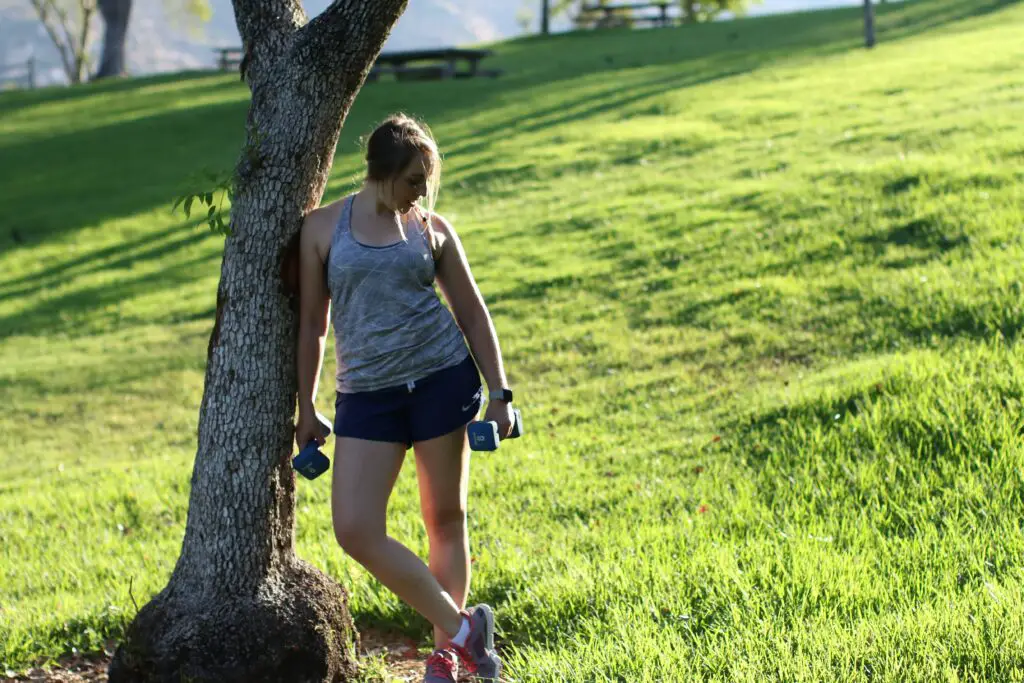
x,y
405,379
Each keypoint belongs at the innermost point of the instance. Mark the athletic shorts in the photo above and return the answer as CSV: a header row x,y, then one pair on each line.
x,y
425,409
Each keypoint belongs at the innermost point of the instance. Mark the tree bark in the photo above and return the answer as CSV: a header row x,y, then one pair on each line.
x,y
869,24
115,15
240,606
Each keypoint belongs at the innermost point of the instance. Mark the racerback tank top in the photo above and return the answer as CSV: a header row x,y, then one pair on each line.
x,y
390,327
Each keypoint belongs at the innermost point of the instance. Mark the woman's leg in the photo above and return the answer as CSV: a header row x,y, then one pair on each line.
x,y
442,468
364,475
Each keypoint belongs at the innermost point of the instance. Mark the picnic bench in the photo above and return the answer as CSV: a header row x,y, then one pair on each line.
x,y
407,65
624,14
434,64
228,58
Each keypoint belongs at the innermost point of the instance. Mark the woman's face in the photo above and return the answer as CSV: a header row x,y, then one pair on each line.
x,y
410,184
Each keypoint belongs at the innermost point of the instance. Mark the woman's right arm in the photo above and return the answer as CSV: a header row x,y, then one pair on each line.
x,y
314,308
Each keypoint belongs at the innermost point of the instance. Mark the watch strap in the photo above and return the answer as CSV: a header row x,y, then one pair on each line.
x,y
503,394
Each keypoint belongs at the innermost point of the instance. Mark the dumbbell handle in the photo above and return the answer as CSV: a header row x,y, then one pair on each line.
x,y
484,439
517,425
310,462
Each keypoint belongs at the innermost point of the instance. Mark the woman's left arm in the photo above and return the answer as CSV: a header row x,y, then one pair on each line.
x,y
456,282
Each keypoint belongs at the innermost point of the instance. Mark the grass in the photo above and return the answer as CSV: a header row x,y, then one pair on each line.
x,y
760,293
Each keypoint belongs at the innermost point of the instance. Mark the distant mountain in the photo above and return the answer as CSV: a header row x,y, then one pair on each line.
x,y
154,46
426,23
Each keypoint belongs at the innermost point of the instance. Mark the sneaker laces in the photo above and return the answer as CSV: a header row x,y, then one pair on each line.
x,y
439,665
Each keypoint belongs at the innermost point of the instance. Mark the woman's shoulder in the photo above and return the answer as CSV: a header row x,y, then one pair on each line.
x,y
319,224
325,216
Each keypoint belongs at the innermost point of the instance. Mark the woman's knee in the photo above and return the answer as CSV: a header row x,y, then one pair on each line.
x,y
356,537
446,525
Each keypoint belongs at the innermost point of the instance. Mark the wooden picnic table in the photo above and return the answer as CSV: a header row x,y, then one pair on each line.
x,y
608,12
432,64
406,65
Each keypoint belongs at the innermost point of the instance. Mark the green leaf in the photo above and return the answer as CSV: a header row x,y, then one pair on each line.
x,y
188,206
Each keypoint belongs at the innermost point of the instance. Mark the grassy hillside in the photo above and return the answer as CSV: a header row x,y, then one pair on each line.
x,y
760,291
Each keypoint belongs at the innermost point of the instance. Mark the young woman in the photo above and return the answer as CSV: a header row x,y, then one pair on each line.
x,y
405,378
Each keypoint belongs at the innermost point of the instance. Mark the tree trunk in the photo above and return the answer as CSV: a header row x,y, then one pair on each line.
x,y
115,31
869,24
240,606
689,12
545,17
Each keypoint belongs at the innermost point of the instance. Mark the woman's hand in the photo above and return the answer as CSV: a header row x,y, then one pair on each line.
x,y
500,412
312,426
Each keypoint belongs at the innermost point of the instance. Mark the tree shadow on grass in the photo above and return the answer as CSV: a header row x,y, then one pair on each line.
x,y
87,309
15,100
531,58
614,97
1001,318
714,54
131,166
153,246
88,177
899,23
924,233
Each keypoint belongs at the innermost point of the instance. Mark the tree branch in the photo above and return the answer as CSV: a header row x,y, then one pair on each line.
x,y
81,56
328,43
64,25
260,20
43,10
266,27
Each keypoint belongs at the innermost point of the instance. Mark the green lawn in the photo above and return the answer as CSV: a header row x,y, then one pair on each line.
x,y
760,293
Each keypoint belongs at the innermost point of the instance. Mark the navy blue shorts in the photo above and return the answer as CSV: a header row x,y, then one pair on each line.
x,y
433,406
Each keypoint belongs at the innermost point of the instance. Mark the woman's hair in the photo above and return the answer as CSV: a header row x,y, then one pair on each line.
x,y
392,146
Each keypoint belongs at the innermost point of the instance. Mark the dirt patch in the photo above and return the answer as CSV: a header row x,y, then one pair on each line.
x,y
404,662
405,658
69,669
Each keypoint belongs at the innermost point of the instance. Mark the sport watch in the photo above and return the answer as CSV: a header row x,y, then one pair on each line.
x,y
503,394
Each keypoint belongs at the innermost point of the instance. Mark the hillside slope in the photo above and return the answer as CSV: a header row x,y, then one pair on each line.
x,y
758,290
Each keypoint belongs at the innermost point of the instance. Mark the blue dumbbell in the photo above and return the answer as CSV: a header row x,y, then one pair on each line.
x,y
483,436
310,462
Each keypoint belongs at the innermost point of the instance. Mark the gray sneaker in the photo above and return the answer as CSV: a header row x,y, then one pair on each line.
x,y
442,667
478,655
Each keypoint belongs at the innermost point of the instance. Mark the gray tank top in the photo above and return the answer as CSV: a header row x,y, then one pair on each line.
x,y
390,327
